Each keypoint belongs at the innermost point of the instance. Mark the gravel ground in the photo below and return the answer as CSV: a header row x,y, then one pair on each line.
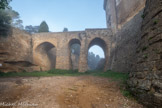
x,y
63,92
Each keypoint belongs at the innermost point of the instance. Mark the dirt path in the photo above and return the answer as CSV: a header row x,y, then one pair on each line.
x,y
63,92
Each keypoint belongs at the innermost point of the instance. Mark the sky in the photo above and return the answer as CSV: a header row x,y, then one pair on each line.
x,y
97,51
76,15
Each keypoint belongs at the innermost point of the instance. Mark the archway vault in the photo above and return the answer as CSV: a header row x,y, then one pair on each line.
x,y
45,56
99,42
74,52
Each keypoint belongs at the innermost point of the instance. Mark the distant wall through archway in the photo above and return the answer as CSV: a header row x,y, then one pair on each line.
x,y
74,47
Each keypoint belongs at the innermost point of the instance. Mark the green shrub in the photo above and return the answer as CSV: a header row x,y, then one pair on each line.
x,y
145,56
1,73
142,16
126,93
155,22
144,48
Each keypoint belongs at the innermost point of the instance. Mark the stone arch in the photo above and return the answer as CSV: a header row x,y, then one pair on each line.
x,y
100,42
74,58
45,56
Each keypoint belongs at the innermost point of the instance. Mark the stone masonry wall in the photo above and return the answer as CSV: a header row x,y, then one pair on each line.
x,y
146,78
127,9
119,12
123,46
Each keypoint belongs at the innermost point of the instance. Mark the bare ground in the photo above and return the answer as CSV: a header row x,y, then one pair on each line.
x,y
63,92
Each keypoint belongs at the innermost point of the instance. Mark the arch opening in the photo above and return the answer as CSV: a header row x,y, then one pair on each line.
x,y
46,56
96,58
74,46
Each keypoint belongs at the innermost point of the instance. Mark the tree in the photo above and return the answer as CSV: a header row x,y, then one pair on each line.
x,y
31,29
5,21
16,21
100,65
4,3
18,24
43,27
93,61
65,29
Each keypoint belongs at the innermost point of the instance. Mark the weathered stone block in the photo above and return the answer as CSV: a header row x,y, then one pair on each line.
x,y
144,84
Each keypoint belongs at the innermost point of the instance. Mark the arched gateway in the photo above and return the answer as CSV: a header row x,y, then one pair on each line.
x,y
54,50
100,42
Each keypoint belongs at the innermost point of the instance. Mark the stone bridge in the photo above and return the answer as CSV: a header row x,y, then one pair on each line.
x,y
52,50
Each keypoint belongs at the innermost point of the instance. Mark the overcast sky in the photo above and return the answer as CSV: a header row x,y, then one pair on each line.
x,y
76,15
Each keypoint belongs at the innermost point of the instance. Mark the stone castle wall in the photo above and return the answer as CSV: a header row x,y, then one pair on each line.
x,y
124,43
137,48
126,14
127,9
119,12
146,78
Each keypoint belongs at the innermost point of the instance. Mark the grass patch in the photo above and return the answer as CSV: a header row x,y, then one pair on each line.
x,y
115,76
58,72
126,93
54,72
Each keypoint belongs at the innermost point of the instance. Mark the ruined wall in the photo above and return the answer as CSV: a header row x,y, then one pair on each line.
x,y
146,78
119,12
15,52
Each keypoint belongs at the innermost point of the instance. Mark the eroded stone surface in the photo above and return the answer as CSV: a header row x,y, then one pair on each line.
x,y
15,52
137,47
148,66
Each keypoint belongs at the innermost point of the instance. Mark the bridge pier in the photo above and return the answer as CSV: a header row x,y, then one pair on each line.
x,y
83,65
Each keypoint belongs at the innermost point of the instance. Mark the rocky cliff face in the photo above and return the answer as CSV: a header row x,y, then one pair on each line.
x,y
15,52
146,79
